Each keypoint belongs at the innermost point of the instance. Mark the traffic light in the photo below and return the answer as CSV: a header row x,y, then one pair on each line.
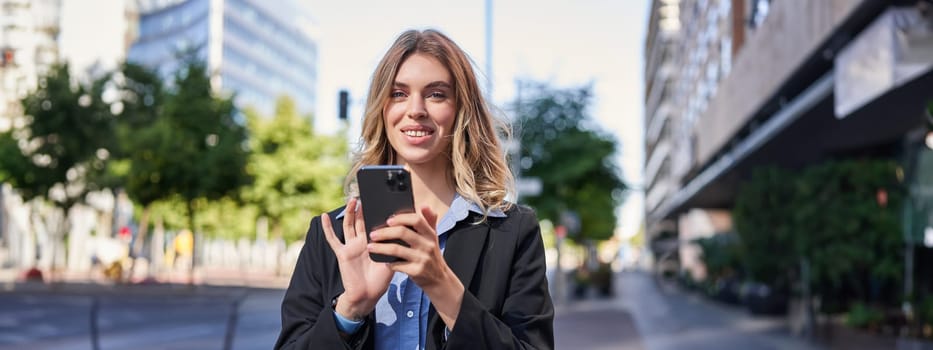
x,y
344,100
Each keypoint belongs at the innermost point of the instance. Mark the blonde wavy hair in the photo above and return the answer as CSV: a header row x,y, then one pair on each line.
x,y
480,172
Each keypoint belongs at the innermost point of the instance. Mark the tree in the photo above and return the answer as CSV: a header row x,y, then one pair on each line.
x,y
847,218
201,146
66,137
561,147
140,95
762,216
841,218
297,172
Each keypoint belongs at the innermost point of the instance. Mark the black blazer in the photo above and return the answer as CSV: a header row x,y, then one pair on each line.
x,y
506,304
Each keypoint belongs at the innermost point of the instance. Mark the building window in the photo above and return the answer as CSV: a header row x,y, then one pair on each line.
x,y
725,8
725,56
759,12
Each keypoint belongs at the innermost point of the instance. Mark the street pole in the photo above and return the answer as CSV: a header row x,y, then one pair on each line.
x,y
515,144
809,316
489,76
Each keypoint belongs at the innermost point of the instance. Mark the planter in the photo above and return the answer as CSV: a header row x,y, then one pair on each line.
x,y
727,291
761,299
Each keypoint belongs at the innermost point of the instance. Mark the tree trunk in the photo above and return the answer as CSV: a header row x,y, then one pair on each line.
x,y
137,247
59,238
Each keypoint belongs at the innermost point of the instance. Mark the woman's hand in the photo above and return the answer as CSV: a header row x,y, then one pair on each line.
x,y
364,280
422,261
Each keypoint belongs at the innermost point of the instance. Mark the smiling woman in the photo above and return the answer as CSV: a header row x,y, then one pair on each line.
x,y
419,116
471,274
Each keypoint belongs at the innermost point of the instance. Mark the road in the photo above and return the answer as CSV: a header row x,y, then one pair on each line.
x,y
175,320
639,317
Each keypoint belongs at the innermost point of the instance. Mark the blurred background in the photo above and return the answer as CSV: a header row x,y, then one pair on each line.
x,y
739,174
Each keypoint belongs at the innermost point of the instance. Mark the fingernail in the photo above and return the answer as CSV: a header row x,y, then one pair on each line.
x,y
370,246
390,221
373,235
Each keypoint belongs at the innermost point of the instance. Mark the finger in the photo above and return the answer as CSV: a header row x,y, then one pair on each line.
x,y
415,221
393,249
360,224
349,216
404,233
329,232
430,217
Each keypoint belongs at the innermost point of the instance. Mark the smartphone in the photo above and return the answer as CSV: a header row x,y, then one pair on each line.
x,y
385,190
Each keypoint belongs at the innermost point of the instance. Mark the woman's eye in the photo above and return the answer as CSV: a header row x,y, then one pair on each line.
x,y
397,94
437,95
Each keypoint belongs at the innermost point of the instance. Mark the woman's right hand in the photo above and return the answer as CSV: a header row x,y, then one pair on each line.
x,y
364,280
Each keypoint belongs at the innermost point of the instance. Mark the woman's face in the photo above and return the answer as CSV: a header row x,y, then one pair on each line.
x,y
420,113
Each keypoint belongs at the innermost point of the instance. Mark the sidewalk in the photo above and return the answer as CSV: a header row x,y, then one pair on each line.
x,y
595,324
673,319
205,278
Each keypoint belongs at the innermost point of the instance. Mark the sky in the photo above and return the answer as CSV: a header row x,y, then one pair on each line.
x,y
565,43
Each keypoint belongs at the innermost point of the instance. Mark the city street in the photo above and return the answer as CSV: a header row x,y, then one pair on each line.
x,y
139,319
673,319
173,317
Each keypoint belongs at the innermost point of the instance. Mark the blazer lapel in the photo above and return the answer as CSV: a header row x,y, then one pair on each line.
x,y
464,247
462,252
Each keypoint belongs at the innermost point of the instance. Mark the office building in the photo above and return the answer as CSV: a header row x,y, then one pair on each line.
x,y
258,49
28,44
789,83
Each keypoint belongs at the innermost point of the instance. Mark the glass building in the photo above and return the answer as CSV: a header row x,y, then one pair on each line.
x,y
258,49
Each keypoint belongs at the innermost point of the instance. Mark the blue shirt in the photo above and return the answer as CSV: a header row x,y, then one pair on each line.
x,y
397,326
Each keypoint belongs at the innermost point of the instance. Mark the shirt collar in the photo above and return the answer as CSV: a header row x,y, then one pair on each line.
x,y
460,208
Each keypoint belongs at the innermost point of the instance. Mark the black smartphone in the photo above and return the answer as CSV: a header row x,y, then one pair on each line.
x,y
385,190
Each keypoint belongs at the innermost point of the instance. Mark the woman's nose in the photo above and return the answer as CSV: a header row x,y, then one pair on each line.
x,y
416,108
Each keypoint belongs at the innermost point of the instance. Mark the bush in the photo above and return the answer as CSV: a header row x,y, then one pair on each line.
x,y
864,316
843,217
761,299
925,310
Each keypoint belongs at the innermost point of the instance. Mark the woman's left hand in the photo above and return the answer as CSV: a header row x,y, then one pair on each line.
x,y
422,261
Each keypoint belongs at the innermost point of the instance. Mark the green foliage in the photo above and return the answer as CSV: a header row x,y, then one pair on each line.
x,y
297,172
203,144
13,162
925,310
171,211
831,214
65,137
142,143
864,316
852,241
573,161
761,215
226,218
721,255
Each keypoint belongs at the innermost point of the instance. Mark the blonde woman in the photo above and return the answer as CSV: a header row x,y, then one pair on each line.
x,y
472,275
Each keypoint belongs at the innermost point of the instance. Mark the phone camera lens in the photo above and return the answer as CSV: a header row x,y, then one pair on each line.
x,y
402,187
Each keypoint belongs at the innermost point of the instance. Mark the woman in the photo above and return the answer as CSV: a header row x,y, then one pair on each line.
x,y
473,273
